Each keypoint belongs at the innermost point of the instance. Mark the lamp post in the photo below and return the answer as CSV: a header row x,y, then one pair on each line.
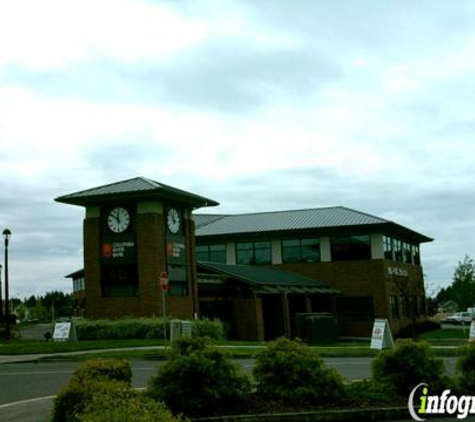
x,y
1,302
6,236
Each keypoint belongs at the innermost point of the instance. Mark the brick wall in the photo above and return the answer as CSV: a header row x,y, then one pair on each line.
x,y
249,319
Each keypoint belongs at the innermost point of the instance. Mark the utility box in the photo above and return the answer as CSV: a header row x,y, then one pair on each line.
x,y
186,329
180,329
322,328
314,328
175,329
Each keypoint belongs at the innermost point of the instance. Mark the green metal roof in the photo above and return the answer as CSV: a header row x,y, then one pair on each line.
x,y
138,187
315,219
268,280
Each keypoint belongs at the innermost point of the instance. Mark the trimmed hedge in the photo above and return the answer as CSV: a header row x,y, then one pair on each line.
x,y
101,391
406,365
199,380
142,328
465,369
290,372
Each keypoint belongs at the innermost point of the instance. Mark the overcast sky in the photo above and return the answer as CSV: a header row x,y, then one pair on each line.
x,y
259,105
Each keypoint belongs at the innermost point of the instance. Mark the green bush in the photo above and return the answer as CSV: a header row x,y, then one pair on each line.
x,y
72,401
137,328
107,369
290,372
198,380
465,368
408,364
213,329
133,407
118,329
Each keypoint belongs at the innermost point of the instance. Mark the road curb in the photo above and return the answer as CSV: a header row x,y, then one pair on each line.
x,y
342,415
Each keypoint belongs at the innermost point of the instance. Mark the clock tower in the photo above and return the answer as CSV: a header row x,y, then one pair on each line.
x,y
135,230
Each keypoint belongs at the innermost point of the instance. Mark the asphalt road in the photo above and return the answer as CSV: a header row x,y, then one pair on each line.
x,y
21,381
27,386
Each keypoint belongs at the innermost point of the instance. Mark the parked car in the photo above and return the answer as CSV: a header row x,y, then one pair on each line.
x,y
459,318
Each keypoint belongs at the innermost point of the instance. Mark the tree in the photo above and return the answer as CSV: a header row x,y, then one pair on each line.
x,y
462,289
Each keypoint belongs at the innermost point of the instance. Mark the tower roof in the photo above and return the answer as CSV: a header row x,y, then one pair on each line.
x,y
138,187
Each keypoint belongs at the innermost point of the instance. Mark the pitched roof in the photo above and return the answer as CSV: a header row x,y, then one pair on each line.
x,y
322,219
138,187
268,280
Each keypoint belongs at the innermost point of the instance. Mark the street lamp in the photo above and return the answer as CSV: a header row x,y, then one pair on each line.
x,y
6,236
1,303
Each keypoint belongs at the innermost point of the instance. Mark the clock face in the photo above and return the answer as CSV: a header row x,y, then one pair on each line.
x,y
118,220
173,220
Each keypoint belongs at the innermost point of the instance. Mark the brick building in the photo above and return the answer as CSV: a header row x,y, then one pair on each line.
x,y
254,271
373,262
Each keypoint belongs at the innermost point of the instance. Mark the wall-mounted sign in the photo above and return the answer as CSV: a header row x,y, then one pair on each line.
x,y
176,250
119,252
398,271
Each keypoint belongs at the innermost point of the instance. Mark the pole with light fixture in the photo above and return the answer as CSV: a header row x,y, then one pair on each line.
x,y
1,302
6,237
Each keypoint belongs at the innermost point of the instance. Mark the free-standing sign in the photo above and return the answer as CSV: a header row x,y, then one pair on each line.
x,y
381,337
65,331
471,336
164,281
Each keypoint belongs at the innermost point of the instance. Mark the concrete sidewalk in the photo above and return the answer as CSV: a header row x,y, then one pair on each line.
x,y
33,410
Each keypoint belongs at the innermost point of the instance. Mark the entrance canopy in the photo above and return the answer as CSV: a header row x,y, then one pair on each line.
x,y
261,280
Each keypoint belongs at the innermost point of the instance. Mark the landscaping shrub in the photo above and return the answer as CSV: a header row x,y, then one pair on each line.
x,y
72,401
408,364
465,368
107,369
133,407
198,380
289,371
212,328
137,328
117,329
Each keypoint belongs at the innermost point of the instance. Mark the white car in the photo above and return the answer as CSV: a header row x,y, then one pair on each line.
x,y
459,318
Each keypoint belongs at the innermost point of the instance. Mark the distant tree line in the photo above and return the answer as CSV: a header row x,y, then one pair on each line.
x,y
44,308
462,289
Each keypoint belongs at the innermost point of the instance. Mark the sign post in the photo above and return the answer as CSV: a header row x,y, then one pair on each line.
x,y
164,284
381,336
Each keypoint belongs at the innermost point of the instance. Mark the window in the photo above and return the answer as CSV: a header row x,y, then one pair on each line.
x,y
388,247
397,250
251,253
348,248
300,250
211,253
394,302
416,257
177,280
355,308
407,255
120,281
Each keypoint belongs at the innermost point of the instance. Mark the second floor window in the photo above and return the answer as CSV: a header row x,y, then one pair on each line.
x,y
300,250
211,253
348,248
253,253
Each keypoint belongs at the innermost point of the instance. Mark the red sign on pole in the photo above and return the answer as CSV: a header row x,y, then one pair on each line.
x,y
164,281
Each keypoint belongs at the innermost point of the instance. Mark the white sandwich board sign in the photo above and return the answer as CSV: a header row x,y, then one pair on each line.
x,y
381,336
65,331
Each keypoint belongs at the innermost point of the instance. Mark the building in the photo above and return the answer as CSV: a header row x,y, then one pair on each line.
x,y
134,231
373,262
254,271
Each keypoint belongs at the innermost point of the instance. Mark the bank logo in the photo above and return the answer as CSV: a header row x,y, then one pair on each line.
x,y
420,404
